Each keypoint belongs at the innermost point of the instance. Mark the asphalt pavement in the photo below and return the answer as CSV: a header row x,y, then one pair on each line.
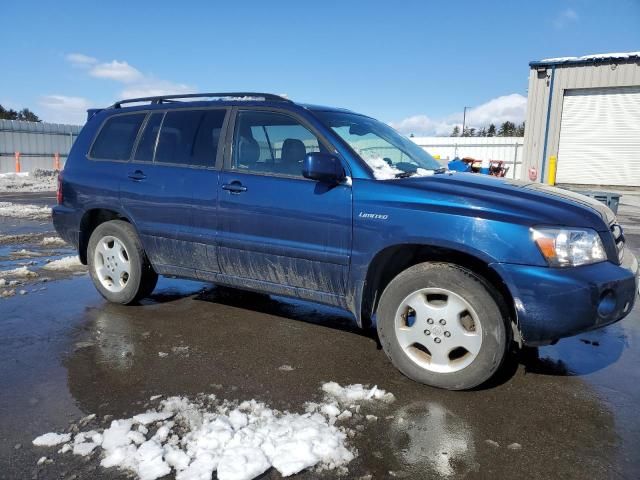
x,y
563,411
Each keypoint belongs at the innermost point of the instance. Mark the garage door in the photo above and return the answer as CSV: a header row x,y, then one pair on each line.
x,y
600,137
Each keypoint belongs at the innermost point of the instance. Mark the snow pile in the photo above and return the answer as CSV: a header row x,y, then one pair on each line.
x,y
65,263
21,272
241,441
17,210
52,242
381,169
36,181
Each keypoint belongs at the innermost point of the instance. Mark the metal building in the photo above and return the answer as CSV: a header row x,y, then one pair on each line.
x,y
585,112
37,144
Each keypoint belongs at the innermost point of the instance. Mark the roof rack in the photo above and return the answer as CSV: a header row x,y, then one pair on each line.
x,y
170,98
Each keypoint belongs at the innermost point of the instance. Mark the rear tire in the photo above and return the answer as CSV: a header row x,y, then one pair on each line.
x,y
118,265
440,325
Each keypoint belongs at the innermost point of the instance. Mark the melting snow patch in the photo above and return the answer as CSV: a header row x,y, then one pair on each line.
x,y
238,441
65,263
22,272
24,253
52,242
17,210
356,393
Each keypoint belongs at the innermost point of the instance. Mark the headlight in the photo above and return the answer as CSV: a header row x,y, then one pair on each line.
x,y
569,247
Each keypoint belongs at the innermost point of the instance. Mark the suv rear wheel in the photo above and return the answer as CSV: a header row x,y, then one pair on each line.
x,y
118,265
440,325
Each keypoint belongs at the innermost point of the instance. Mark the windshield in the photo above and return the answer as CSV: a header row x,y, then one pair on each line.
x,y
389,154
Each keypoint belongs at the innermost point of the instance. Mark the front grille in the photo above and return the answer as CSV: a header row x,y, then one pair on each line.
x,y
618,237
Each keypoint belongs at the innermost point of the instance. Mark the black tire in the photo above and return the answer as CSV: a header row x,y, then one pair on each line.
x,y
142,278
476,292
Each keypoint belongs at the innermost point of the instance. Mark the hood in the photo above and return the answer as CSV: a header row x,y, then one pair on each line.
x,y
511,200
605,212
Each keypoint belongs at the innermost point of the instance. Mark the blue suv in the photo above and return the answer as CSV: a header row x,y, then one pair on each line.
x,y
254,191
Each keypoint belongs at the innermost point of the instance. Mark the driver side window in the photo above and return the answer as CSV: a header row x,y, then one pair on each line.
x,y
271,143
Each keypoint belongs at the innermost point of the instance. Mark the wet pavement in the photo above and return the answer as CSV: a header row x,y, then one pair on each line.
x,y
564,411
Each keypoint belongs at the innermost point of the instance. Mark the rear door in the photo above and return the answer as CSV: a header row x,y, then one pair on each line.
x,y
173,165
276,226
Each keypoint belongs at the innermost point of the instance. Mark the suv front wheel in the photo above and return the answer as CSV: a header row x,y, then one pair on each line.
x,y
441,326
118,265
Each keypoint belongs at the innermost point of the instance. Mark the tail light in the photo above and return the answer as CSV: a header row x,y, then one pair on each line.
x,y
59,196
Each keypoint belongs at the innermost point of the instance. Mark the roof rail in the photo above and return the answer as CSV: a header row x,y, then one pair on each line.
x,y
169,98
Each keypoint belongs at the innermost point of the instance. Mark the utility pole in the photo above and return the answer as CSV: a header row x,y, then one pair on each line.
x,y
464,120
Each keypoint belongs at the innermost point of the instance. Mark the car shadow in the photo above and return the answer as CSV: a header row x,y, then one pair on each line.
x,y
575,356
292,309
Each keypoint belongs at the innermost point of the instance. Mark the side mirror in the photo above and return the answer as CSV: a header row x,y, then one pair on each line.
x,y
323,167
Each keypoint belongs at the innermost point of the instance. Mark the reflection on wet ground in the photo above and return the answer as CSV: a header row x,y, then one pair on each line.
x,y
553,415
564,411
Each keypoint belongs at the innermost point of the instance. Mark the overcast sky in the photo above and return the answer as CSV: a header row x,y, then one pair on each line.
x,y
413,64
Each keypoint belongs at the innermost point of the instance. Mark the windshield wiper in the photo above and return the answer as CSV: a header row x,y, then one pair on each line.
x,y
405,174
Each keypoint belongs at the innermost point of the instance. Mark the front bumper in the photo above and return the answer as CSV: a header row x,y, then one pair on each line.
x,y
553,303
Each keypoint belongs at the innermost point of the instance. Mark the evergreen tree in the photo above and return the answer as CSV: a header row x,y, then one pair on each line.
x,y
24,114
456,131
482,132
28,116
8,114
520,130
469,132
507,129
491,132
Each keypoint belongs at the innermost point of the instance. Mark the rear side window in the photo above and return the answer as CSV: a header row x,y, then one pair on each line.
x,y
190,137
116,137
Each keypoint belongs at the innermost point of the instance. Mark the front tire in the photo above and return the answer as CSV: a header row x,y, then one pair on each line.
x,y
440,325
118,265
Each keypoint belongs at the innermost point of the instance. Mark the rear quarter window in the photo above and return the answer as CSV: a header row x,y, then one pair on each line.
x,y
116,137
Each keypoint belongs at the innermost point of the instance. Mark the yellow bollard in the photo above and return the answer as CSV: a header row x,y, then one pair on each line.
x,y
553,168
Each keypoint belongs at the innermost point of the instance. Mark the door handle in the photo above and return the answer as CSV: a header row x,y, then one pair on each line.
x,y
234,187
137,175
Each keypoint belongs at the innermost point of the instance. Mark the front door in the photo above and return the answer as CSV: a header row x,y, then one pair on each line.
x,y
275,226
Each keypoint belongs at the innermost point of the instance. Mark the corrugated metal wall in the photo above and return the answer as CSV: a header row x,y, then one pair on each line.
x,y
507,149
36,142
610,73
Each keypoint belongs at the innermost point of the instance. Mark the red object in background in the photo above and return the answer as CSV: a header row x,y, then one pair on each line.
x,y
496,167
56,161
533,174
17,155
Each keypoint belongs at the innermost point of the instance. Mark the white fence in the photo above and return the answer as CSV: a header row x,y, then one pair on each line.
x,y
34,144
507,149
